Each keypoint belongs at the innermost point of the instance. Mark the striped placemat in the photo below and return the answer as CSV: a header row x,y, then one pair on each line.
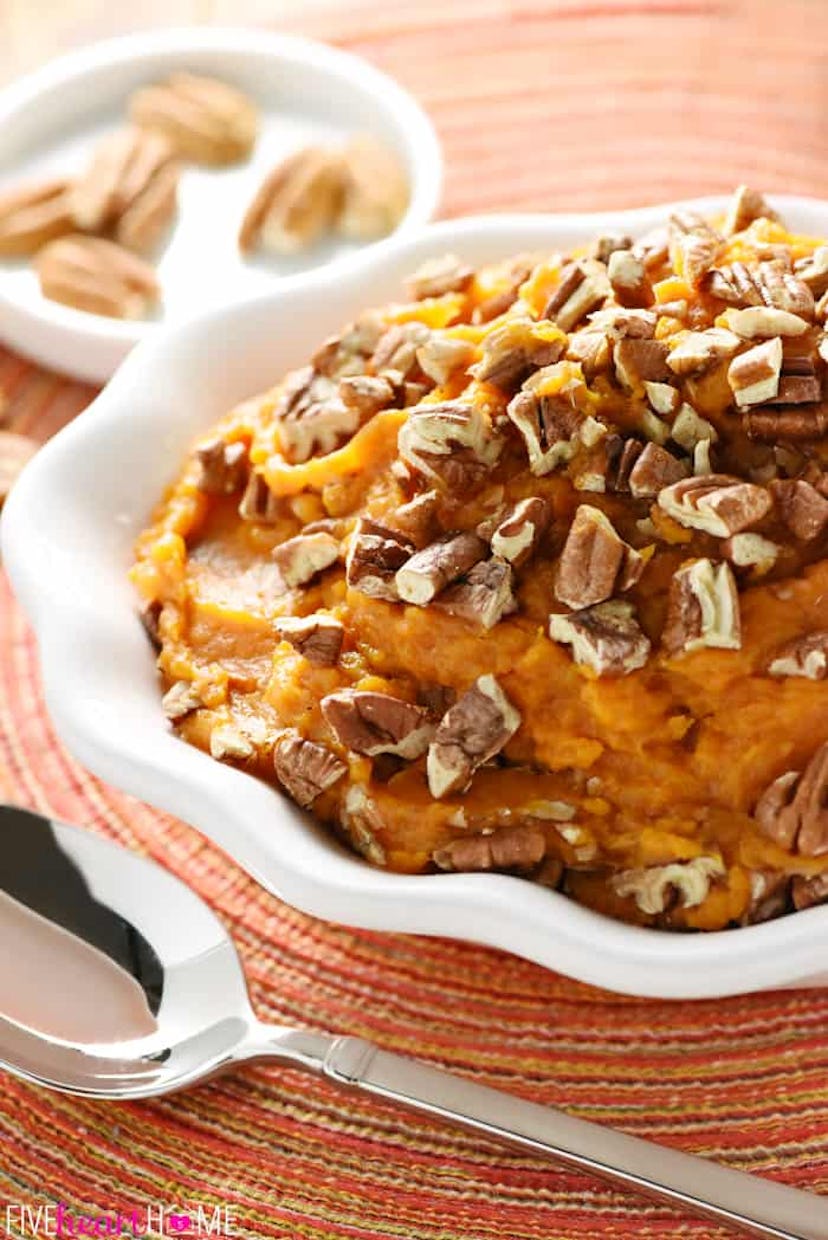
x,y
573,104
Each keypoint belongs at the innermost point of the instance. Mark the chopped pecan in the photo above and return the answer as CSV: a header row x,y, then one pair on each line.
x,y
657,888
228,740
698,352
769,897
689,429
521,529
703,609
549,426
206,120
97,276
663,397
180,699
396,349
375,723
437,276
798,383
701,457
751,551
222,467
441,356
150,616
813,270
754,375
592,349
654,469
746,205
15,452
258,502
606,638
803,509
520,848
428,571
365,393
311,415
300,559
603,248
295,204
621,323
304,768
483,596
362,819
375,192
628,277
511,352
718,504
375,554
129,187
471,732
805,656
452,443
518,270
583,286
348,353
807,892
318,637
595,561
33,214
607,464
436,699
637,361
760,322
653,247
793,810
769,425
695,244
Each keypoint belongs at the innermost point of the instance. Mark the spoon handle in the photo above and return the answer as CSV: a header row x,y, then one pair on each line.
x,y
759,1207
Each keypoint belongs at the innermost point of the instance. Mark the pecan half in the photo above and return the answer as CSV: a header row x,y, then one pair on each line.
x,y
437,276
658,888
258,502
375,554
698,352
302,558
583,286
595,561
521,529
375,190
33,214
803,509
295,204
205,119
703,609
471,732
768,284
760,322
129,187
318,637
754,375
805,656
793,809
483,596
304,768
654,469
375,723
222,467
97,276
718,504
606,638
428,571
520,848
452,443
746,205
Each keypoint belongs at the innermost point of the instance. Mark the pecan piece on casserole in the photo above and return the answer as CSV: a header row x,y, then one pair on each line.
x,y
793,810
761,322
654,469
628,277
658,888
375,554
583,286
697,352
606,638
258,503
417,519
520,848
180,700
805,656
751,551
718,504
365,393
230,742
428,571
311,415
595,562
348,352
395,354
802,508
302,558
703,609
512,351
754,375
689,429
638,361
483,596
318,637
603,247
222,467
808,892
437,276
361,818
441,356
471,732
768,284
520,530
813,270
304,768
452,443
774,424
745,206
374,723
549,426
799,383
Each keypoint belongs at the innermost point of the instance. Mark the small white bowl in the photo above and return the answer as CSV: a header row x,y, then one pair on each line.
x,y
306,92
67,534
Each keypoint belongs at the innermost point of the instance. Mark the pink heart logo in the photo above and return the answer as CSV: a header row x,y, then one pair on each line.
x,y
179,1222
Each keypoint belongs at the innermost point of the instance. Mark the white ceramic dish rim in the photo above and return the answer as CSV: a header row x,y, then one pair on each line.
x,y
113,725
44,85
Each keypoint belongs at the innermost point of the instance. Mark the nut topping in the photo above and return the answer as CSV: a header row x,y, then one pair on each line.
x,y
703,609
754,375
716,503
375,723
769,284
222,467
483,596
660,887
32,215
375,555
295,204
428,571
628,277
452,443
441,356
803,509
549,426
771,425
205,120
793,810
595,562
471,732
746,205
365,393
318,637
518,534
513,351
813,271
305,769
181,699
805,656
437,276
698,352
395,353
583,286
798,383
640,361
300,559
98,276
606,638
506,848
807,892
760,322
689,430
751,551
654,469
229,741
311,415
258,502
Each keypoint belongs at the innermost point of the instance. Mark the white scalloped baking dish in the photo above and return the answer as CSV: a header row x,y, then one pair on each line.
x,y
67,534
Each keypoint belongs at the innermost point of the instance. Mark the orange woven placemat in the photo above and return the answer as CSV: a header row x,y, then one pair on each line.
x,y
575,104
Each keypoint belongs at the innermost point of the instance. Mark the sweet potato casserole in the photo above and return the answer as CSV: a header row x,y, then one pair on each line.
x,y
528,573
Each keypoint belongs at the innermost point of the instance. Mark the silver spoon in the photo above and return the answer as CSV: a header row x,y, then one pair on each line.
x,y
80,916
